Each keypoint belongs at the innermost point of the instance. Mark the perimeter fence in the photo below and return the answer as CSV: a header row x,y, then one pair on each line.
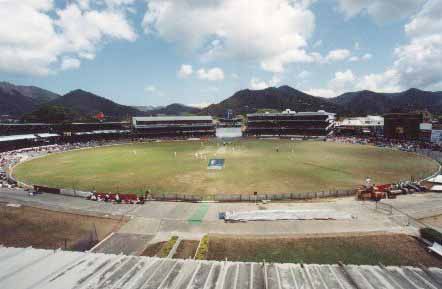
x,y
400,216
252,197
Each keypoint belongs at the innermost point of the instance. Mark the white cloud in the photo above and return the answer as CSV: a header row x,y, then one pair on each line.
x,y
35,38
200,105
271,32
418,63
345,81
185,71
82,31
427,22
114,3
338,55
304,74
70,63
212,74
84,4
277,63
354,59
152,89
382,82
367,56
380,10
256,83
317,44
322,92
342,80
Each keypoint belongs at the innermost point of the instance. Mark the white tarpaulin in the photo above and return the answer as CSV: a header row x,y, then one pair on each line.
x,y
273,215
437,179
436,188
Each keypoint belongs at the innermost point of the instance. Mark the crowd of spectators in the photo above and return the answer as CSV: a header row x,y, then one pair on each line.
x,y
404,145
117,198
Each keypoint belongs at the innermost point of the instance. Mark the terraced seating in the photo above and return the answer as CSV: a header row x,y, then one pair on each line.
x,y
49,269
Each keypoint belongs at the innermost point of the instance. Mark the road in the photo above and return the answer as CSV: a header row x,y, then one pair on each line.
x,y
157,221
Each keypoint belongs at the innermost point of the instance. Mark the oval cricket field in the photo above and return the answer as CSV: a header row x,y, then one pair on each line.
x,y
264,166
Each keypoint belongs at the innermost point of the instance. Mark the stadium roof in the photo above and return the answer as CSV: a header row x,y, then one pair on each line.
x,y
55,269
101,132
23,124
46,135
17,137
292,113
171,118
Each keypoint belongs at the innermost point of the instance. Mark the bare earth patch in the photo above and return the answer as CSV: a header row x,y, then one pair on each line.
x,y
433,221
39,228
186,249
153,250
368,249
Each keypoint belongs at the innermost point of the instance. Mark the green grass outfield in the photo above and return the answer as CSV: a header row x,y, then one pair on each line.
x,y
250,165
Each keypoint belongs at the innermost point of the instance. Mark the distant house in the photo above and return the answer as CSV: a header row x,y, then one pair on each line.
x,y
368,125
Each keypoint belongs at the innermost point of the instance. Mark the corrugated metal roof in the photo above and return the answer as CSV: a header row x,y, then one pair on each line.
x,y
49,269
17,137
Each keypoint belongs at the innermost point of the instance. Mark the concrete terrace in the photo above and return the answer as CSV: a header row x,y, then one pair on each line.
x,y
48,269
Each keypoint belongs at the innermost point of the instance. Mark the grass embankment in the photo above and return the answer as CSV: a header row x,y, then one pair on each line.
x,y
27,226
165,250
203,248
388,249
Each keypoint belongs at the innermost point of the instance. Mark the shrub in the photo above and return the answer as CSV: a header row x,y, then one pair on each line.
x,y
431,235
203,248
165,250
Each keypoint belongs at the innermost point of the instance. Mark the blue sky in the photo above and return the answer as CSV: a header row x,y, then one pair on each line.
x,y
156,52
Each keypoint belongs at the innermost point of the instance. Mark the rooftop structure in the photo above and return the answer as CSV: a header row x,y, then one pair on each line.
x,y
49,269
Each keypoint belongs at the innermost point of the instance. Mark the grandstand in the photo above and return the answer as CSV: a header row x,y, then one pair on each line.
x,y
405,126
16,136
289,123
173,127
43,269
94,131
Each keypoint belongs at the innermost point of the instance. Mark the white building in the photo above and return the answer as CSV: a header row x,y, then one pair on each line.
x,y
367,121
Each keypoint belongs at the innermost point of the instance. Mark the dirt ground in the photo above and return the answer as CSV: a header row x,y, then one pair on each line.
x,y
433,221
368,249
153,250
26,226
186,249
